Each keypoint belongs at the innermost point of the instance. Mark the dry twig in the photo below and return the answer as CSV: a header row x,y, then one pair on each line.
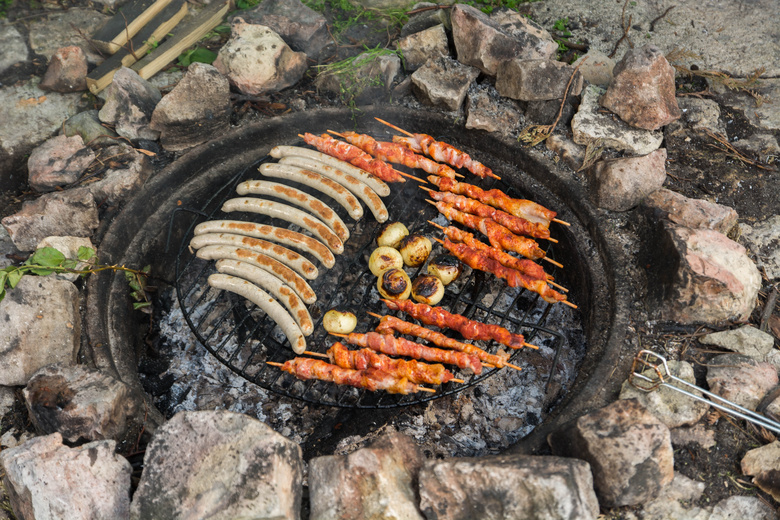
x,y
729,150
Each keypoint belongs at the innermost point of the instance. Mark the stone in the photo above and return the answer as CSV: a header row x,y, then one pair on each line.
x,y
674,502
42,325
488,42
29,116
768,482
443,82
48,481
763,458
14,47
425,19
763,147
379,481
763,240
628,448
520,487
65,28
545,112
59,213
370,77
87,125
691,213
68,246
621,184
537,80
256,60
701,115
130,101
742,507
597,69
302,28
707,277
383,5
746,340
417,48
132,169
642,92
695,436
589,125
195,111
67,71
741,379
671,407
58,162
219,464
487,110
763,116
572,154
7,399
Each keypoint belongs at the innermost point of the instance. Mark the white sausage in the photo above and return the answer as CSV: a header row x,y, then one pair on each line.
x,y
363,191
288,213
376,184
267,304
317,181
262,261
273,285
286,256
276,234
299,198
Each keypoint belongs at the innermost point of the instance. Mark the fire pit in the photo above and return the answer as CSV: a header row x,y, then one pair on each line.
x,y
145,233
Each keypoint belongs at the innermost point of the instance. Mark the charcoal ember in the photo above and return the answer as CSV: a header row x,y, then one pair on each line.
x,y
518,486
628,448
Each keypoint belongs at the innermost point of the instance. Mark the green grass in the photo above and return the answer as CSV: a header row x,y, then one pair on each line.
x,y
4,5
488,6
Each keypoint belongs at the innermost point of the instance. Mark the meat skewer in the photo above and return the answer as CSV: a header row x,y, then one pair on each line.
x,y
353,155
395,153
394,346
469,329
499,236
498,199
370,379
476,259
516,225
415,371
441,151
389,324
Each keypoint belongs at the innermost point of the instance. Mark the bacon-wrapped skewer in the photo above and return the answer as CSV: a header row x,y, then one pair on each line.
x,y
394,346
390,324
370,379
441,151
498,199
476,259
498,235
469,329
353,155
395,153
413,370
516,225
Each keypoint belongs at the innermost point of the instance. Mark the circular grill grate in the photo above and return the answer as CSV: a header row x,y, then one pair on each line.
x,y
244,339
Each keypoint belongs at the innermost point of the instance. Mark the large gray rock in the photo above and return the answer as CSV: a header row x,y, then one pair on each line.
x,y
675,502
48,481
87,125
80,403
589,125
417,48
59,161
735,507
60,213
520,487
628,448
132,170
488,42
130,101
763,458
256,60
14,47
707,278
195,111
537,80
487,110
764,116
41,325
691,213
595,67
761,239
700,115
219,465
443,82
741,379
379,481
620,184
426,18
368,78
302,28
57,29
746,340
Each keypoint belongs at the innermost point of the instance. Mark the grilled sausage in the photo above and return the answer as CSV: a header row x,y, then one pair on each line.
x,y
288,213
347,169
267,304
317,181
288,257
361,190
262,261
272,233
299,198
266,281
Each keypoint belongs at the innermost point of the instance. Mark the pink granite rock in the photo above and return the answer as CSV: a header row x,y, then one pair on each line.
x,y
621,184
58,162
67,71
692,213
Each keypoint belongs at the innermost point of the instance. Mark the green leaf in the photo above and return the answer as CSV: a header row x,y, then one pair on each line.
x,y
200,55
69,263
40,271
141,305
3,278
48,257
85,253
14,277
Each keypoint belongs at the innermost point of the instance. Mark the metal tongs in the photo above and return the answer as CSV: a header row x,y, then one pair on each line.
x,y
664,377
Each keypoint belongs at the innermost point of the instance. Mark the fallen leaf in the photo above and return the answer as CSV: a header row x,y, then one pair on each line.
x,y
146,152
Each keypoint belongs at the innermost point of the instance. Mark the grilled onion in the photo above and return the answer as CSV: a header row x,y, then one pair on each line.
x,y
427,289
391,234
384,258
446,268
394,284
415,250
339,322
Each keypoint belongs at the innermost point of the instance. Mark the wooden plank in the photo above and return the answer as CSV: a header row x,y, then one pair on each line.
x,y
155,31
185,35
126,23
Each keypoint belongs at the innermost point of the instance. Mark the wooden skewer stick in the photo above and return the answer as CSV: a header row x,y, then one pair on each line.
x,y
396,171
394,127
570,304
559,287
553,262
316,354
273,364
423,389
561,222
530,346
